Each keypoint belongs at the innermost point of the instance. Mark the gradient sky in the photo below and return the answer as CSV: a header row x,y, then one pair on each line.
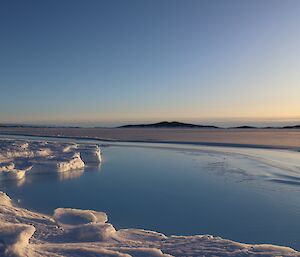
x,y
116,61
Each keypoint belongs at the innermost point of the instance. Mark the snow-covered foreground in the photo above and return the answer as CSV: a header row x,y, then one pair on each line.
x,y
73,232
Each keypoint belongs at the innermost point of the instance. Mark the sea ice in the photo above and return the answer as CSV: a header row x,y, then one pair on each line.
x,y
18,158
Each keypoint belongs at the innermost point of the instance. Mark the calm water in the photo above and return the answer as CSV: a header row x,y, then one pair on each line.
x,y
182,192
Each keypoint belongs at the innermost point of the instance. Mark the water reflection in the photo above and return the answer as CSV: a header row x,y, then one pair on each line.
x,y
20,182
32,178
70,175
74,174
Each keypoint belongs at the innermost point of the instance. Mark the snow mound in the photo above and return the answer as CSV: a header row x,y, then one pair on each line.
x,y
83,225
81,251
67,216
89,233
73,163
9,171
15,239
64,163
83,233
5,199
90,154
19,158
143,252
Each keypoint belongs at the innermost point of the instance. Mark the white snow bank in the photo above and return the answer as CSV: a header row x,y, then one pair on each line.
x,y
83,225
143,252
4,199
9,171
72,163
18,158
82,233
89,233
14,239
90,153
58,164
67,216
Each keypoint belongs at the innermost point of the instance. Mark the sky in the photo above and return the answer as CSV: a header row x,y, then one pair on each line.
x,y
114,62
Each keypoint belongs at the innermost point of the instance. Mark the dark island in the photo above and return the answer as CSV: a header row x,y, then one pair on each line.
x,y
167,124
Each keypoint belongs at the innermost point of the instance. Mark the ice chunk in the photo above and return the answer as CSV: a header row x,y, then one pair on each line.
x,y
90,154
15,239
65,163
13,174
73,163
68,216
4,199
83,225
93,232
9,171
44,157
143,252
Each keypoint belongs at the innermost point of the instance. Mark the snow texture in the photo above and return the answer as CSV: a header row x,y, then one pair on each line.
x,y
19,158
72,232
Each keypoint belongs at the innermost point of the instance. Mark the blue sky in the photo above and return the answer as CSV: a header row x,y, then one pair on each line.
x,y
69,61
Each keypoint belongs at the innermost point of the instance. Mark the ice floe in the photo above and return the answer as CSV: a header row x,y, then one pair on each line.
x,y
18,158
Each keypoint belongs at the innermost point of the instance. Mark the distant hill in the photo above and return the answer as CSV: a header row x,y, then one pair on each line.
x,y
166,124
244,127
292,127
163,124
270,127
176,124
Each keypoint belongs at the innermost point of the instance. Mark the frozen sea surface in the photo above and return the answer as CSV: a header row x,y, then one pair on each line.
x,y
246,195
